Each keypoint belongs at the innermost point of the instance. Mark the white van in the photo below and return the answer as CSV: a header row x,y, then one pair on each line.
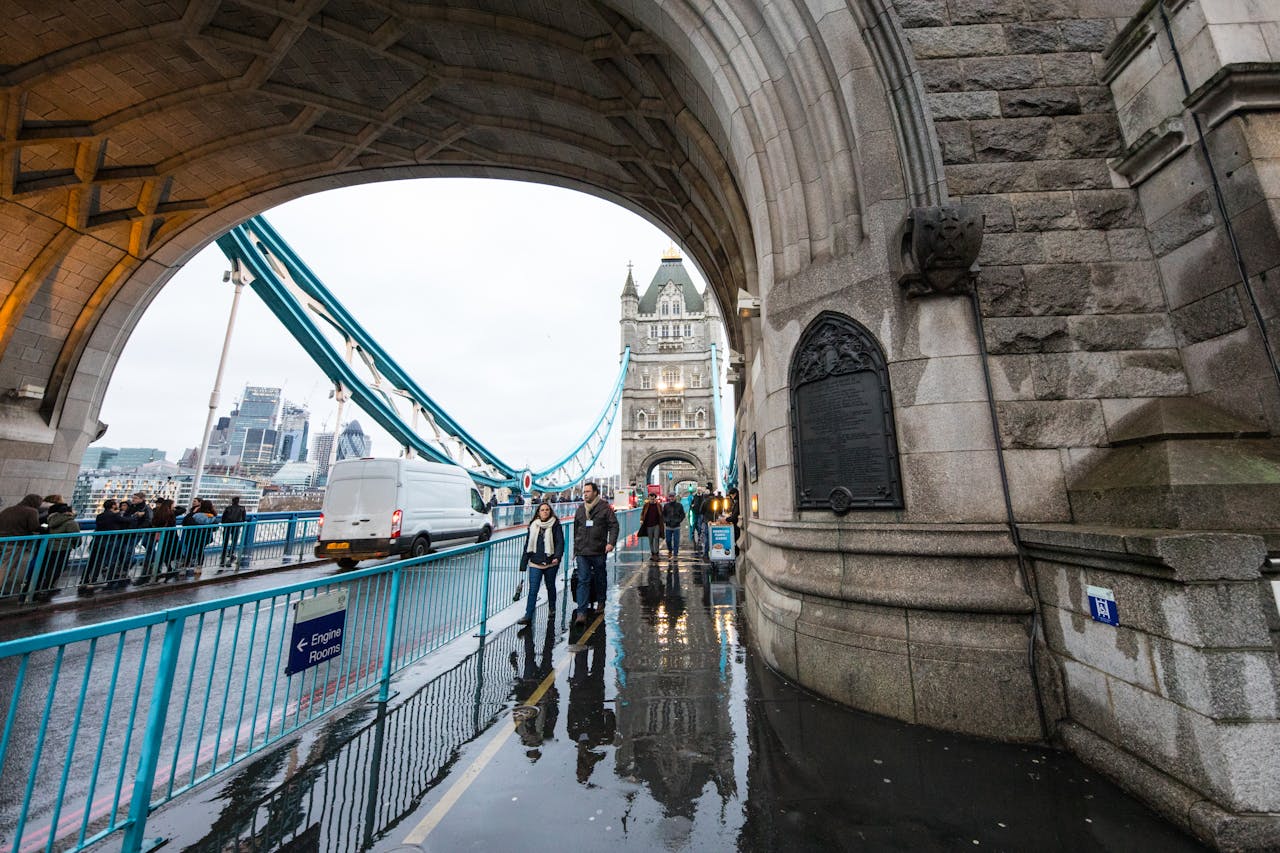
x,y
380,507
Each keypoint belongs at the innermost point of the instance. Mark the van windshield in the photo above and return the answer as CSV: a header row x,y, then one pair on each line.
x,y
365,498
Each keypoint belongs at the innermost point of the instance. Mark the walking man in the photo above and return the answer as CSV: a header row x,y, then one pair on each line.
x,y
595,533
672,519
232,517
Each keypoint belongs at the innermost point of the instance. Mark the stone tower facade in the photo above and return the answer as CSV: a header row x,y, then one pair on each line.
x,y
668,399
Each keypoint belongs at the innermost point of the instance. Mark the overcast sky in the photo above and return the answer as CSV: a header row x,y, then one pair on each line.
x,y
499,297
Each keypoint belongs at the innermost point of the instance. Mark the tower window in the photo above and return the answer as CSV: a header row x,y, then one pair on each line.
x,y
646,381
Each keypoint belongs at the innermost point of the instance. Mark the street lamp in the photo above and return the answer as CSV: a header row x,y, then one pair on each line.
x,y
239,277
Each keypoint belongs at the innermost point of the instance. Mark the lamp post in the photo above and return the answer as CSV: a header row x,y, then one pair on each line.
x,y
239,277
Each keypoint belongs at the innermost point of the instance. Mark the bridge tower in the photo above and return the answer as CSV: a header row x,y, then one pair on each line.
x,y
667,402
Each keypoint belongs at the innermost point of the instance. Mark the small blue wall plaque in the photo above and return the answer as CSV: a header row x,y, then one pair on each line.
x,y
1102,605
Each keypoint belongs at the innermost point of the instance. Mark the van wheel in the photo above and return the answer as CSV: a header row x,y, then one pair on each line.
x,y
485,533
420,548
346,563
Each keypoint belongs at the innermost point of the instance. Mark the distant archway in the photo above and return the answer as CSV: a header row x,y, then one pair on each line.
x,y
644,471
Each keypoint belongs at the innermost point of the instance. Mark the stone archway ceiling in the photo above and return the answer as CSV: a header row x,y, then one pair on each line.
x,y
127,123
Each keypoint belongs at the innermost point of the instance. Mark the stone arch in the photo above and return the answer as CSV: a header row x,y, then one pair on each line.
x,y
644,471
761,155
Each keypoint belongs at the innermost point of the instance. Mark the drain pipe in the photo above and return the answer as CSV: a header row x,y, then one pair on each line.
x,y
1024,564
1221,202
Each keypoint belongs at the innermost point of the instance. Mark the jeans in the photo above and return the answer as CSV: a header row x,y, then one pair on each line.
x,y
537,577
230,540
591,573
673,540
655,537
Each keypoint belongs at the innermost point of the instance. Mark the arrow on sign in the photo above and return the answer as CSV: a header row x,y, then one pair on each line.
x,y
302,644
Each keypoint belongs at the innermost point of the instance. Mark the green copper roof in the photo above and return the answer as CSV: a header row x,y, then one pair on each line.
x,y
671,270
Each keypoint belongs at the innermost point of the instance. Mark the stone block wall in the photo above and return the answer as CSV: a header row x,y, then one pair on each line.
x,y
1230,53
1181,702
1074,313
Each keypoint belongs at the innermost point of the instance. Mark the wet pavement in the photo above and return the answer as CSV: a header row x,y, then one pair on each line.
x,y
654,728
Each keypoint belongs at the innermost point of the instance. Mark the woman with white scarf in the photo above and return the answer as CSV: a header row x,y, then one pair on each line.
x,y
543,550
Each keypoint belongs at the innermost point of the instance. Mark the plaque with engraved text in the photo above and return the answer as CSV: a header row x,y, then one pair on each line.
x,y
846,454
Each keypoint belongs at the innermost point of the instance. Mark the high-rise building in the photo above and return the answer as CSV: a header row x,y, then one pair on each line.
x,y
258,409
259,447
132,457
219,438
353,443
292,433
321,452
98,458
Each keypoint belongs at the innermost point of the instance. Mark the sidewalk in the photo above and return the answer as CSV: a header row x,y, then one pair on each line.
x,y
654,728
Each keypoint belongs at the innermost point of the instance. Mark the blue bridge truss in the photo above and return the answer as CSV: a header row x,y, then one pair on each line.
x,y
364,372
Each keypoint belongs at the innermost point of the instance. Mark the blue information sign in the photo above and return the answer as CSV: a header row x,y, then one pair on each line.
x,y
1102,605
319,626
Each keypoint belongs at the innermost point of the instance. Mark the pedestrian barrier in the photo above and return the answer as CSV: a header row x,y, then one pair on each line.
x,y
107,722
379,764
38,566
511,515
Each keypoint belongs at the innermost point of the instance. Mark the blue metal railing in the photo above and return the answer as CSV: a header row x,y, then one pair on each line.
x,y
107,722
37,565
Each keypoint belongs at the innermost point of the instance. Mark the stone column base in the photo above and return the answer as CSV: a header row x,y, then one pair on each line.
x,y
1179,804
35,457
925,623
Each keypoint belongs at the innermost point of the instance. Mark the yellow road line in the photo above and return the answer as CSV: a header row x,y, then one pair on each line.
x,y
496,742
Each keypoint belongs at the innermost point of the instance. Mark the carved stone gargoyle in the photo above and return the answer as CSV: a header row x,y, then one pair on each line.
x,y
940,248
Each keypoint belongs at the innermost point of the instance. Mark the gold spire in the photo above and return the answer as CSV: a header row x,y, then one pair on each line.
x,y
672,253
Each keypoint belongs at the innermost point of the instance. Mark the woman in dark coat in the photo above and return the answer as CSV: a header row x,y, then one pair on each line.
x,y
651,525
199,532
166,550
543,551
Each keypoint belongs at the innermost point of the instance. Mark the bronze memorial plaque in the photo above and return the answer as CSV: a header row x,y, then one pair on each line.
x,y
846,455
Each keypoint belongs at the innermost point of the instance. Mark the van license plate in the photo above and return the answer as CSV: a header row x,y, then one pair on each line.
x,y
338,546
